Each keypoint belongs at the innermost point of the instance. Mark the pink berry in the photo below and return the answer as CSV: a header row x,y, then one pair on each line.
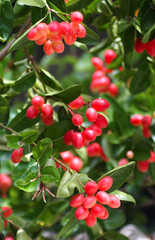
x,y
152,157
75,28
106,215
91,114
8,238
143,166
89,135
78,140
98,210
47,120
146,132
103,155
47,110
102,197
136,120
54,27
58,47
91,220
33,35
42,28
139,46
76,17
32,112
5,182
89,201
48,50
76,164
54,37
81,213
105,183
68,137
67,156
109,56
77,103
16,155
100,104
77,119
101,121
37,101
41,40
77,200
91,187
123,162
7,211
130,154
70,40
97,62
93,150
150,48
98,74
66,29
96,129
146,121
82,31
114,202
113,90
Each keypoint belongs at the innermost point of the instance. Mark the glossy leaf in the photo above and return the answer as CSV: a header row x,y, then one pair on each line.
x,y
13,141
116,219
123,196
29,137
25,82
50,174
49,79
22,235
4,110
35,3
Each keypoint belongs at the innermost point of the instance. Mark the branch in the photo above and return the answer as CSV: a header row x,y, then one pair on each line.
x,y
9,129
5,50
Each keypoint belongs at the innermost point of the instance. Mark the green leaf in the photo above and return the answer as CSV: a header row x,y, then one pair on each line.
x,y
60,4
91,37
50,174
1,224
6,19
13,141
100,46
77,4
4,110
26,158
119,175
152,171
23,173
128,7
110,235
50,80
70,224
148,34
20,10
42,151
21,122
25,82
142,151
116,220
123,196
29,137
21,235
35,3
115,63
68,184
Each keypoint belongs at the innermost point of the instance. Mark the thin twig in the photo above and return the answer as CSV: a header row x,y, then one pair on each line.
x,y
9,129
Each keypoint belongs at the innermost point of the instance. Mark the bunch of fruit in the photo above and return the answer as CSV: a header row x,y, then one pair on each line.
x,y
46,110
74,162
144,121
51,35
95,150
79,139
5,184
149,46
86,204
100,82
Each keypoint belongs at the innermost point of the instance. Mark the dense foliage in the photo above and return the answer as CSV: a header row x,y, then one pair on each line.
x,y
90,135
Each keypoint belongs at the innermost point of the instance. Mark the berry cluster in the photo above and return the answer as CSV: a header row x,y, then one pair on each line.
x,y
100,82
95,150
86,204
74,162
16,155
7,211
46,110
80,139
51,35
5,183
149,46
144,121
143,166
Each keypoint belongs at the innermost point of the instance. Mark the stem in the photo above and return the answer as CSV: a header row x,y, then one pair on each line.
x,y
9,129
64,165
9,221
79,180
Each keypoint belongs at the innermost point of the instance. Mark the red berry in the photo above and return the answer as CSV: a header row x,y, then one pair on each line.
x,y
54,37
77,103
89,135
97,62
150,47
143,166
48,50
102,83
113,90
106,215
41,40
102,197
76,164
130,154
91,187
66,156
16,155
58,165
91,114
70,40
75,28
76,200
136,120
76,17
81,213
100,104
152,157
5,182
91,220
66,29
47,120
103,155
105,183
33,35
32,112
123,162
114,202
8,238
101,121
139,46
98,74
82,31
93,150
77,119
37,101
58,47
42,28
96,129
146,132
68,137
98,210
146,121
89,201
109,56
54,27
78,140
7,211
47,110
